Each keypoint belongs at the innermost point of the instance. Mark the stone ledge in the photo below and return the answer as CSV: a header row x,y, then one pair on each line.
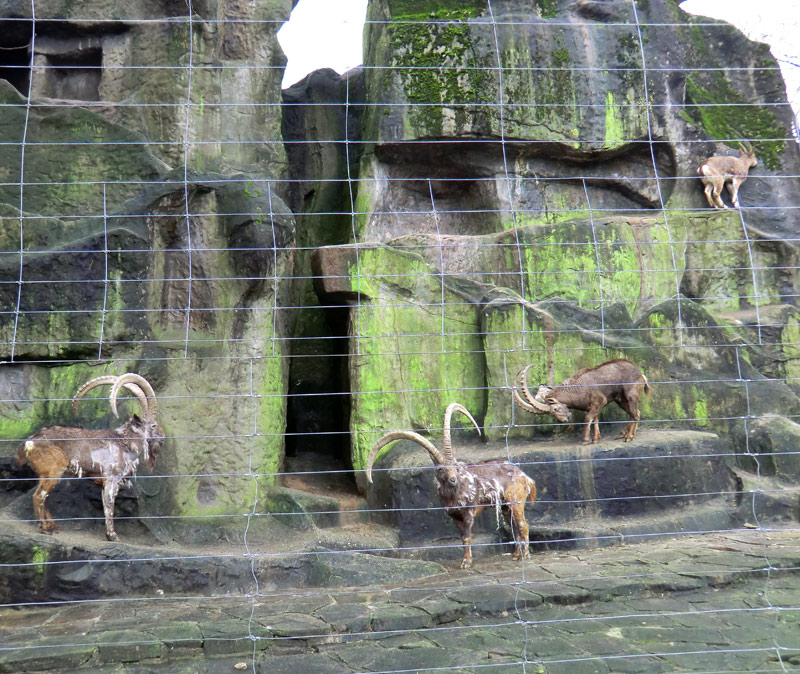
x,y
362,619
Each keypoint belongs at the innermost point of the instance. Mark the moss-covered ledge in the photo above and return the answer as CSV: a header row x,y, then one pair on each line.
x,y
430,325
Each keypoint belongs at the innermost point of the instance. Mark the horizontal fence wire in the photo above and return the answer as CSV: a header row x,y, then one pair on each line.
x,y
285,331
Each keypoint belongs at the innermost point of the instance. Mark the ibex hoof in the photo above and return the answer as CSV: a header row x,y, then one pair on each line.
x,y
112,536
466,563
48,529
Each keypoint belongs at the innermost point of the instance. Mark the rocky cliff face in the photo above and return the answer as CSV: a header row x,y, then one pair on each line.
x,y
150,234
534,192
502,184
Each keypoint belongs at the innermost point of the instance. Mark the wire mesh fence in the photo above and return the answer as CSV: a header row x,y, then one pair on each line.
x,y
501,209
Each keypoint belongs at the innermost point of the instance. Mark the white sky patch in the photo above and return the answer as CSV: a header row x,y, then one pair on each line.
x,y
774,22
322,34
329,34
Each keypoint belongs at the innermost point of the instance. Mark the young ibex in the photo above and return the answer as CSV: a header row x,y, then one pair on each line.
x,y
590,390
718,170
109,456
465,490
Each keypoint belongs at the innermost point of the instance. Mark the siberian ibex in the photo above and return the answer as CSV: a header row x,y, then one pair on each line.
x,y
465,490
590,389
718,170
108,456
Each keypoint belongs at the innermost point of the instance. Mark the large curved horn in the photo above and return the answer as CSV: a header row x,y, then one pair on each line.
x,y
530,404
402,435
149,405
105,380
447,445
522,378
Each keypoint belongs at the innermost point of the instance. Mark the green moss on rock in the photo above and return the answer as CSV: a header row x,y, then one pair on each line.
x,y
415,349
441,10
547,9
71,153
514,338
790,338
437,66
724,115
615,135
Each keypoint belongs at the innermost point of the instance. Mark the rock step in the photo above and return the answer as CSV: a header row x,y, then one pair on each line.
x,y
301,509
586,533
316,489
605,484
80,565
293,626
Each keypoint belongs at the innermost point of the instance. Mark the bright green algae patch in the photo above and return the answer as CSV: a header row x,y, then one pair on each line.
x,y
446,10
417,347
412,354
615,134
791,350
722,112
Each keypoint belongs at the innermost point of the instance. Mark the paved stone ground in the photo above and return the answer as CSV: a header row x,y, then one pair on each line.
x,y
713,603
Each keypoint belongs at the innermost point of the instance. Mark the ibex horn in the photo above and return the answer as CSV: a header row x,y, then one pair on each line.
x,y
447,445
149,407
105,380
402,435
530,404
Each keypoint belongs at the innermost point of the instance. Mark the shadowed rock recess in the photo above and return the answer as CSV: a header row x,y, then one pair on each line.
x,y
502,184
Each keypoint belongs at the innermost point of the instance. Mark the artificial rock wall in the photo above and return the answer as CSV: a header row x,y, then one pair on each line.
x,y
150,234
502,184
527,193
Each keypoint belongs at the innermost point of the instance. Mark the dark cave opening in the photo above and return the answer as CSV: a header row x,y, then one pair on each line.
x,y
75,75
15,53
68,57
318,416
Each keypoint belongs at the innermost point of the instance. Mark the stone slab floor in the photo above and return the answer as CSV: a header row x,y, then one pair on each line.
x,y
721,602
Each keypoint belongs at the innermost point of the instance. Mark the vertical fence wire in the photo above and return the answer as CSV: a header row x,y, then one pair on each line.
x,y
186,192
22,184
568,569
651,136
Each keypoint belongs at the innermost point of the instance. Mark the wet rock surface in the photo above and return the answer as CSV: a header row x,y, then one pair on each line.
x,y
587,495
309,534
410,259
721,601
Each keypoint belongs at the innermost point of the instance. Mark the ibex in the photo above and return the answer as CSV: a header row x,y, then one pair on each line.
x,y
590,389
465,490
718,170
109,456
